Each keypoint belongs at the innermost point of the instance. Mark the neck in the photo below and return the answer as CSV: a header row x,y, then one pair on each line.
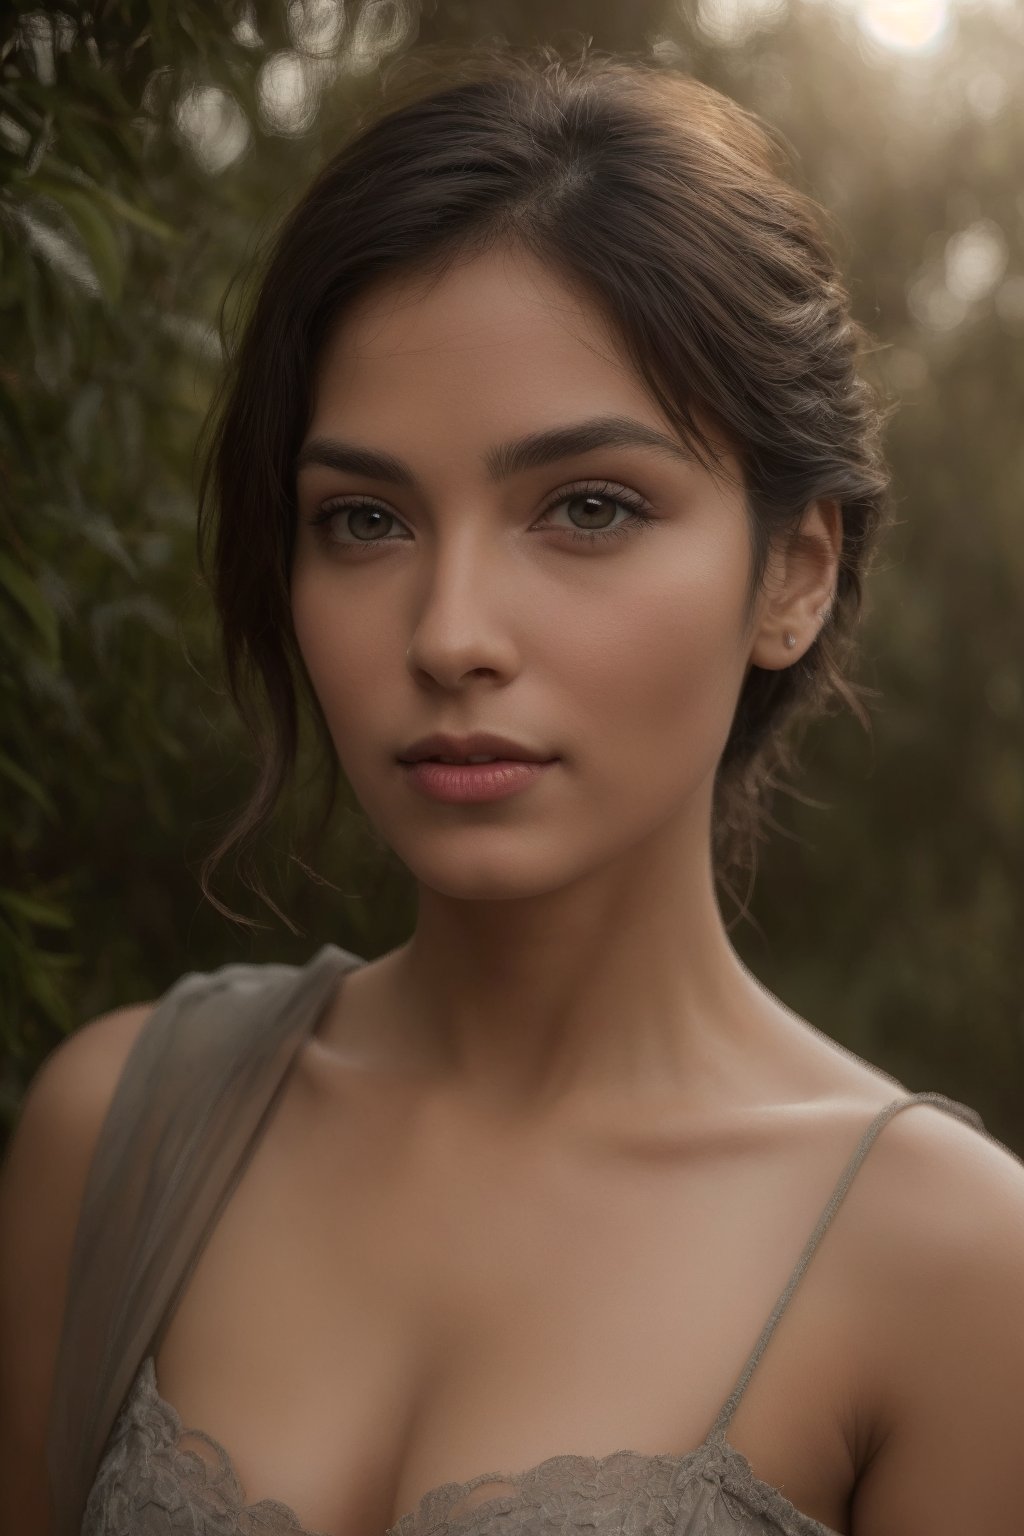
x,y
623,983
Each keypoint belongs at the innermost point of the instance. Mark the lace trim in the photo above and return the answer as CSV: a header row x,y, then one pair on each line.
x,y
553,1487
216,1485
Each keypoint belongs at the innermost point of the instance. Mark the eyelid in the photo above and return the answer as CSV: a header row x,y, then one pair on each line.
x,y
351,503
595,487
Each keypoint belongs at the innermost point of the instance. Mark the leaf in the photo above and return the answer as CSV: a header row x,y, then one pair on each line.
x,y
58,964
15,421
43,913
137,216
95,230
26,594
24,781
42,988
13,102
35,155
98,530
90,85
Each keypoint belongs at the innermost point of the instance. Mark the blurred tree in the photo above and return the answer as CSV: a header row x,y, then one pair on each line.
x,y
143,149
120,229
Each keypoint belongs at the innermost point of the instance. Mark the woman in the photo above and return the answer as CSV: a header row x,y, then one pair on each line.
x,y
545,444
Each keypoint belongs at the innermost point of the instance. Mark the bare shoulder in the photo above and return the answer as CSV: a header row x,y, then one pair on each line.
x,y
66,1102
949,1180
42,1181
83,1062
941,1211
61,1115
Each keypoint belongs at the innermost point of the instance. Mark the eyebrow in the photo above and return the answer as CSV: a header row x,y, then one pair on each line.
x,y
507,459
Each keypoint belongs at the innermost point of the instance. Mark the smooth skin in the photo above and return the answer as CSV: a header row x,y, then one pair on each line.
x,y
544,1169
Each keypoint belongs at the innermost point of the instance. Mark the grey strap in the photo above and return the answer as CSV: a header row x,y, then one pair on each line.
x,y
202,1077
962,1111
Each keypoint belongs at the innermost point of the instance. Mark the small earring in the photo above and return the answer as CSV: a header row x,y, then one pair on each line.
x,y
789,640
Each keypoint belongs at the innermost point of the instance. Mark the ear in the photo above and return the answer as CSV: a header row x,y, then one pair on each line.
x,y
799,585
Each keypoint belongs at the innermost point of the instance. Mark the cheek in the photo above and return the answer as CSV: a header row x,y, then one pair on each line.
x,y
344,658
655,677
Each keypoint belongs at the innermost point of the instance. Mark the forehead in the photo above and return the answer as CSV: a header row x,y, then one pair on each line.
x,y
497,336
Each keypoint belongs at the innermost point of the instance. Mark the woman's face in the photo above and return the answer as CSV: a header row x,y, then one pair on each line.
x,y
520,594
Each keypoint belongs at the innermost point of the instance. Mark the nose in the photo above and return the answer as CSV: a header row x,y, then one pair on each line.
x,y
461,626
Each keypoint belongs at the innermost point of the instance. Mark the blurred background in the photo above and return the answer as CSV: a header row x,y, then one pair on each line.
x,y
145,151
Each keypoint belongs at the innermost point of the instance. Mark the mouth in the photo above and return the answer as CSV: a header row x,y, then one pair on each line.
x,y
477,749
466,762
455,760
494,778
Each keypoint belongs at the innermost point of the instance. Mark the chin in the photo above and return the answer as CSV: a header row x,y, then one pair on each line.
x,y
515,867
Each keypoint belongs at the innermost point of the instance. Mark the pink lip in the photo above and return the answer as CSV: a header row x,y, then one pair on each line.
x,y
455,782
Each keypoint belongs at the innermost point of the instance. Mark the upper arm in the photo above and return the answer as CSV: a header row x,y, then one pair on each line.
x,y
42,1182
952,1339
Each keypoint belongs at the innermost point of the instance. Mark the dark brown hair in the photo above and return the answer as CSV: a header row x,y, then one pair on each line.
x,y
667,204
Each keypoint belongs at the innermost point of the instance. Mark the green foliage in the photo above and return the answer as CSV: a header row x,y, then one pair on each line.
x,y
109,281
892,918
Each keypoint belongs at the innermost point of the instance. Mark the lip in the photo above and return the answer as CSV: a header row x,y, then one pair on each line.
x,y
479,744
457,783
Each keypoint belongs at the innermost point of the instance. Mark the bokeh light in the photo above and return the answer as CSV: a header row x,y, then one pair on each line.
x,y
285,93
732,22
381,28
976,259
908,25
210,121
316,26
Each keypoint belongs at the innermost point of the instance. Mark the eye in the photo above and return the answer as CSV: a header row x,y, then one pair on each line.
x,y
335,516
600,501
592,506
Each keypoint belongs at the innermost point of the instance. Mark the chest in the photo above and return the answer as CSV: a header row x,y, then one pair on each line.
x,y
392,1300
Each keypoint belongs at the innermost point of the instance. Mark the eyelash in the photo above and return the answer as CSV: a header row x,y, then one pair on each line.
x,y
633,504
